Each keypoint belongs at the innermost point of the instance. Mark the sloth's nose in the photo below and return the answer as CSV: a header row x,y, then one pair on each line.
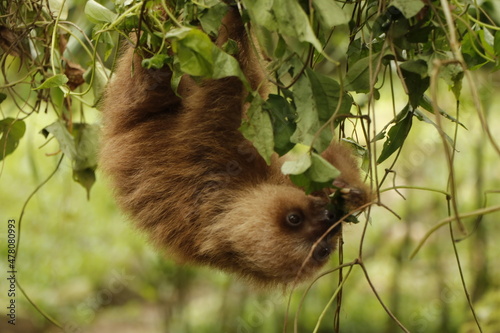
x,y
322,250
332,218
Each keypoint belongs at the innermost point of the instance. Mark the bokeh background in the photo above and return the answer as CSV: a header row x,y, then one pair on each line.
x,y
83,264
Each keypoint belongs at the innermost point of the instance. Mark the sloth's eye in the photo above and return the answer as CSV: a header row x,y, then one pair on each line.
x,y
294,219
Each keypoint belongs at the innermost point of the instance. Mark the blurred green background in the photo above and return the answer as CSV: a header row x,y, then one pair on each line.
x,y
84,265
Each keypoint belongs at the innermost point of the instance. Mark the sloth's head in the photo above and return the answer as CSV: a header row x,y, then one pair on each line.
x,y
274,234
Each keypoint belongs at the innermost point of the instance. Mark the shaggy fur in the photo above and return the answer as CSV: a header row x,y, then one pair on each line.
x,y
187,176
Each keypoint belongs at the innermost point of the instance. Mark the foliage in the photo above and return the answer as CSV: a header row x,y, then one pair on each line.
x,y
299,39
330,62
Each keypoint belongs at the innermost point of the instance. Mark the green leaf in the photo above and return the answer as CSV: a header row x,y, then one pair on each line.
x,y
85,161
157,61
321,171
416,80
80,146
397,134
108,40
258,129
268,41
301,181
54,81
226,65
380,135
283,120
329,13
307,120
472,57
3,97
453,74
496,44
230,47
357,50
97,13
358,75
383,133
420,34
322,88
86,143
11,130
281,48
261,13
293,22
209,3
198,56
487,41
298,160
408,8
194,51
63,136
422,117
58,8
327,92
310,171
307,184
211,19
128,23
426,104
177,75
86,178
416,66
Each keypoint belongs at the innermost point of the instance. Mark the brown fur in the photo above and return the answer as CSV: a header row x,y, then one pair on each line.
x,y
187,176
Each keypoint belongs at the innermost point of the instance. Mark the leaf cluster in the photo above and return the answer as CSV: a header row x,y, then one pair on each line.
x,y
49,63
321,56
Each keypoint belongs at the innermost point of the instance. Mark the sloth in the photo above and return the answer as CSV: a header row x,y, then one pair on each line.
x,y
185,174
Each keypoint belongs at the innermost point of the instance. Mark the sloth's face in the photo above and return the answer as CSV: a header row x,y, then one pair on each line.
x,y
276,234
309,231
308,218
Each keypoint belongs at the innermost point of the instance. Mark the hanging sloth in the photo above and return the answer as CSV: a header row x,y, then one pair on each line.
x,y
186,175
